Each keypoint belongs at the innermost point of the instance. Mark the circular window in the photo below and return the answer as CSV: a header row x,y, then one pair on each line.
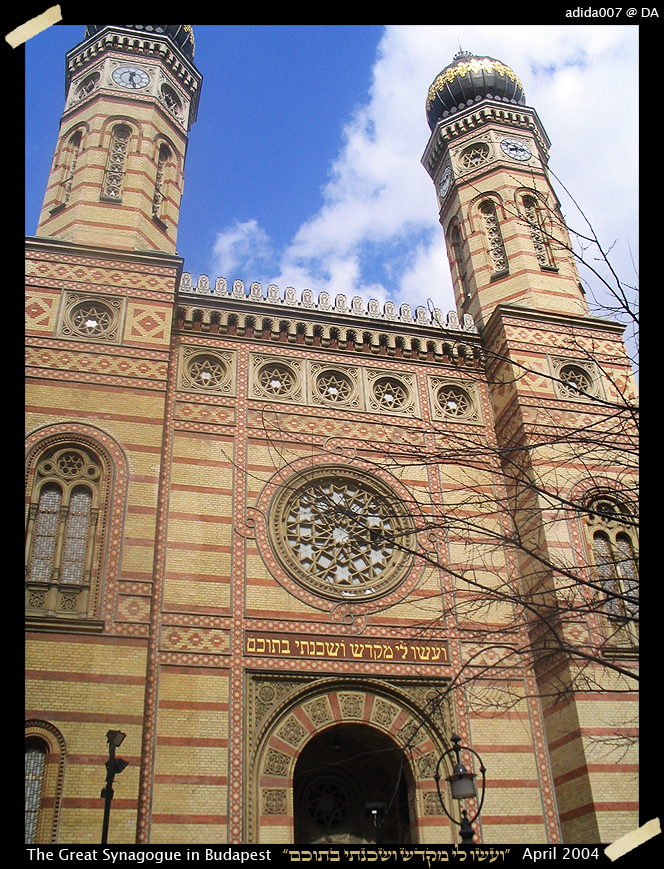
x,y
334,386
69,463
575,381
475,155
276,379
454,401
390,393
342,534
208,372
92,319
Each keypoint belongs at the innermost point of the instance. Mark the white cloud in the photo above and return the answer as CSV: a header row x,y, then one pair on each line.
x,y
582,81
242,247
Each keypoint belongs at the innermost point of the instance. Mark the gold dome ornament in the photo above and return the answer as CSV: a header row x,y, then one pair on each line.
x,y
468,79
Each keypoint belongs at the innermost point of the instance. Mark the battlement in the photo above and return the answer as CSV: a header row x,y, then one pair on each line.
x,y
389,313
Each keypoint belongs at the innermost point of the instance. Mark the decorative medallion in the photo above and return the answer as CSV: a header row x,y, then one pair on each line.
x,y
276,379
453,401
91,318
206,370
576,379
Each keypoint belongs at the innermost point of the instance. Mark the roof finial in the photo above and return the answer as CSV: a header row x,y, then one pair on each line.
x,y
461,53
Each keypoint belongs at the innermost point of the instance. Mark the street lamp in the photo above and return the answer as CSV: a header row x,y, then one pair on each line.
x,y
462,785
114,766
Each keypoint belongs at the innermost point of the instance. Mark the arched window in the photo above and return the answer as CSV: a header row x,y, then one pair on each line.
x,y
163,159
612,529
458,260
494,238
35,765
71,158
61,544
45,758
116,166
538,233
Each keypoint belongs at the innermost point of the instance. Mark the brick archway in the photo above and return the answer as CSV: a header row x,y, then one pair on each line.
x,y
306,713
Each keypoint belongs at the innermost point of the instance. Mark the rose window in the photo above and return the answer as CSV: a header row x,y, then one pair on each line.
x,y
334,386
276,380
575,381
206,371
475,155
91,319
454,401
391,394
342,535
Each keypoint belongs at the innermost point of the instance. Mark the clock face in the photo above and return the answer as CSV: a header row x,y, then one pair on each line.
x,y
516,149
131,77
445,183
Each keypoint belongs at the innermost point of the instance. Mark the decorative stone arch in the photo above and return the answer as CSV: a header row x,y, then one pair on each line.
x,y
52,784
112,500
583,525
299,712
475,205
66,158
168,176
112,121
488,216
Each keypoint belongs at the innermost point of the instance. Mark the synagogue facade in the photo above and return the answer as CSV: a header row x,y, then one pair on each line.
x,y
290,543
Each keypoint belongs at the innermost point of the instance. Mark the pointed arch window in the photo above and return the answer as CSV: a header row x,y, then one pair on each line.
x,y
116,166
540,237
62,550
494,237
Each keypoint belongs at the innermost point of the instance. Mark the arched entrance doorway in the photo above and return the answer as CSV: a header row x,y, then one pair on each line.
x,y
341,770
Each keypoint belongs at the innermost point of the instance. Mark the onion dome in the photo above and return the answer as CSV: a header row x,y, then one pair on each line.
x,y
469,79
180,34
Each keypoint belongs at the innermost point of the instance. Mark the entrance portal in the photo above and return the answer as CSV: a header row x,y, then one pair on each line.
x,y
337,774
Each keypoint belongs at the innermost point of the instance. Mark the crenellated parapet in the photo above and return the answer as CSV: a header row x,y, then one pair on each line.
x,y
335,325
388,314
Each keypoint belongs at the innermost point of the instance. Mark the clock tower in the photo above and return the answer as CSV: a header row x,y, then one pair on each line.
x,y
131,95
487,155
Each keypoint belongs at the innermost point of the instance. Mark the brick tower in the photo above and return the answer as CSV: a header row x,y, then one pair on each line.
x,y
553,372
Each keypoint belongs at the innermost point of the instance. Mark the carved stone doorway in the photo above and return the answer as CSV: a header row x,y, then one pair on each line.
x,y
337,773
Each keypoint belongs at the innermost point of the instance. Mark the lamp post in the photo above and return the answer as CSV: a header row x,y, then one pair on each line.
x,y
462,785
114,766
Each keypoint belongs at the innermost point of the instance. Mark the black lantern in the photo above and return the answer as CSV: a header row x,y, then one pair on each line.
x,y
114,766
462,785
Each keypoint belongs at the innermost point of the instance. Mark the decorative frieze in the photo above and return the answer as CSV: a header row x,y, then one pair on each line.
x,y
434,320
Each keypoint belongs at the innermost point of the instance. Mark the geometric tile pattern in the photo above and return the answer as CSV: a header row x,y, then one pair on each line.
x,y
147,324
41,312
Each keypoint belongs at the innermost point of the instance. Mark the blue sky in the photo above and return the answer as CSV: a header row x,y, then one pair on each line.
x,y
303,168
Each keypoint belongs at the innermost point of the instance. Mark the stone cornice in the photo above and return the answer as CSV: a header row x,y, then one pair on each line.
x,y
137,257
503,311
325,323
